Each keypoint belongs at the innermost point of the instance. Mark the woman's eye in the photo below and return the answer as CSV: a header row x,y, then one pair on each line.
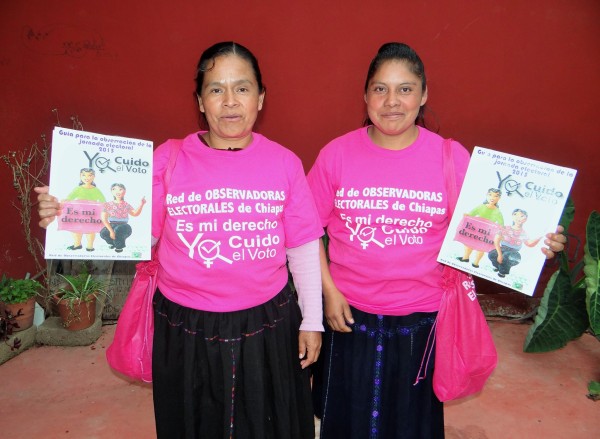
x,y
242,90
405,90
378,89
215,90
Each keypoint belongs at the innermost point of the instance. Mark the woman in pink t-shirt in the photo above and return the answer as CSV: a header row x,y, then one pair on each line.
x,y
381,196
232,342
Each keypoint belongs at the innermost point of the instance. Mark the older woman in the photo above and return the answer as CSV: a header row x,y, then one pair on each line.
x,y
231,345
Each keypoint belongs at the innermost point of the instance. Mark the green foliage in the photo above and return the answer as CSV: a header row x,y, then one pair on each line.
x,y
81,287
591,270
594,390
570,304
18,290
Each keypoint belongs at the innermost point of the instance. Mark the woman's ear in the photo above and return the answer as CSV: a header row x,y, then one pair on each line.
x,y
261,100
200,105
424,97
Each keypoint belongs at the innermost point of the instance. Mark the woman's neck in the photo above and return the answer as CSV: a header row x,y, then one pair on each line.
x,y
393,141
216,142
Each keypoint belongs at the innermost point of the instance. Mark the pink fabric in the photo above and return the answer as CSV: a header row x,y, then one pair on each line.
x,y
230,217
386,216
465,355
304,263
130,352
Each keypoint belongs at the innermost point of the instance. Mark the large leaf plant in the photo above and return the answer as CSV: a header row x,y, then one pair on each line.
x,y
571,302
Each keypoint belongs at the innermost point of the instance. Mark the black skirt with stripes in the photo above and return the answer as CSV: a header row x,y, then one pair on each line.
x,y
232,374
365,386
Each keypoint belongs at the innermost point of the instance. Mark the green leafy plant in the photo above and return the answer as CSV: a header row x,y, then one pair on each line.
x,y
571,302
80,288
18,290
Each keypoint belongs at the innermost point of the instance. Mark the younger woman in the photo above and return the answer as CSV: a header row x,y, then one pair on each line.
x,y
381,195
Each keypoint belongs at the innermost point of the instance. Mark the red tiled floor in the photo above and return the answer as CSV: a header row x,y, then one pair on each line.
x,y
56,392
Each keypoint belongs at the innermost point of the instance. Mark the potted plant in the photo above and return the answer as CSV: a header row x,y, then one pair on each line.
x,y
17,298
77,300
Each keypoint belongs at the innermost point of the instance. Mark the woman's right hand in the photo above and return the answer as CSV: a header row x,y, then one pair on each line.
x,y
48,206
337,311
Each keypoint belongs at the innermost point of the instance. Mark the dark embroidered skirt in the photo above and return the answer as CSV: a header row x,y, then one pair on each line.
x,y
230,375
366,386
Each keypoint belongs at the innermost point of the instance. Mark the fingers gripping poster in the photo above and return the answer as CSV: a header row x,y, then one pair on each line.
x,y
104,186
506,206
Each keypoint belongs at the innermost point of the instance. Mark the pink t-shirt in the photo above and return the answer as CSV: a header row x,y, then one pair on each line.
x,y
230,217
386,215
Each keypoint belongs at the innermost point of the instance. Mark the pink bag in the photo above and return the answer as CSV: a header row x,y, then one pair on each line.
x,y
465,355
131,349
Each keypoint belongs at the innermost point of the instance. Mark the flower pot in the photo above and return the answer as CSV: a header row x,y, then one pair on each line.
x,y
76,314
25,320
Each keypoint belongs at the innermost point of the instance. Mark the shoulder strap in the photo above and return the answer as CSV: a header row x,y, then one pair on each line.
x,y
175,146
449,175
174,151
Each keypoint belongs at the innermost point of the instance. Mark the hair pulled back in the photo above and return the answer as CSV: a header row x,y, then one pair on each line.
x,y
403,53
207,61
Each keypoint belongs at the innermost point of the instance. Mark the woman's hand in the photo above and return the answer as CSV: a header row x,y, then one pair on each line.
x,y
48,206
337,311
309,347
555,242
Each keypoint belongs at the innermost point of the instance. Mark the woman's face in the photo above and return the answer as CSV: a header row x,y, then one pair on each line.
x,y
519,218
87,177
394,97
118,192
230,98
493,198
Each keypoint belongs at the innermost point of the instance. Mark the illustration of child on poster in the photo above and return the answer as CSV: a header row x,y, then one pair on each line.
x,y
488,239
105,165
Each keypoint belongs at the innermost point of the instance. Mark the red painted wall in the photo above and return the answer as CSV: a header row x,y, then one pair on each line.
x,y
521,77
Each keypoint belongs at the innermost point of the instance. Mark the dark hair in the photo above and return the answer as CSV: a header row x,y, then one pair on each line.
x,y
121,185
524,212
404,53
89,170
494,190
207,61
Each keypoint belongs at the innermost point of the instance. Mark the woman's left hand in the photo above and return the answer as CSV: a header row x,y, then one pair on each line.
x,y
555,242
309,347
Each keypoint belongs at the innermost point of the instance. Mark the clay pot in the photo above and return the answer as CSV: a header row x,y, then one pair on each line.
x,y
25,321
78,315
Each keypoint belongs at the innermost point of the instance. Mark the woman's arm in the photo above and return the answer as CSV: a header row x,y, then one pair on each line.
x,y
337,310
137,211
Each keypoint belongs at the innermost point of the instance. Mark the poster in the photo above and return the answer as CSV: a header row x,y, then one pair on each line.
x,y
104,184
506,206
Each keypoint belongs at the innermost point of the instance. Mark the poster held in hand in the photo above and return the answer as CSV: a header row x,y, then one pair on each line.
x,y
104,185
506,206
